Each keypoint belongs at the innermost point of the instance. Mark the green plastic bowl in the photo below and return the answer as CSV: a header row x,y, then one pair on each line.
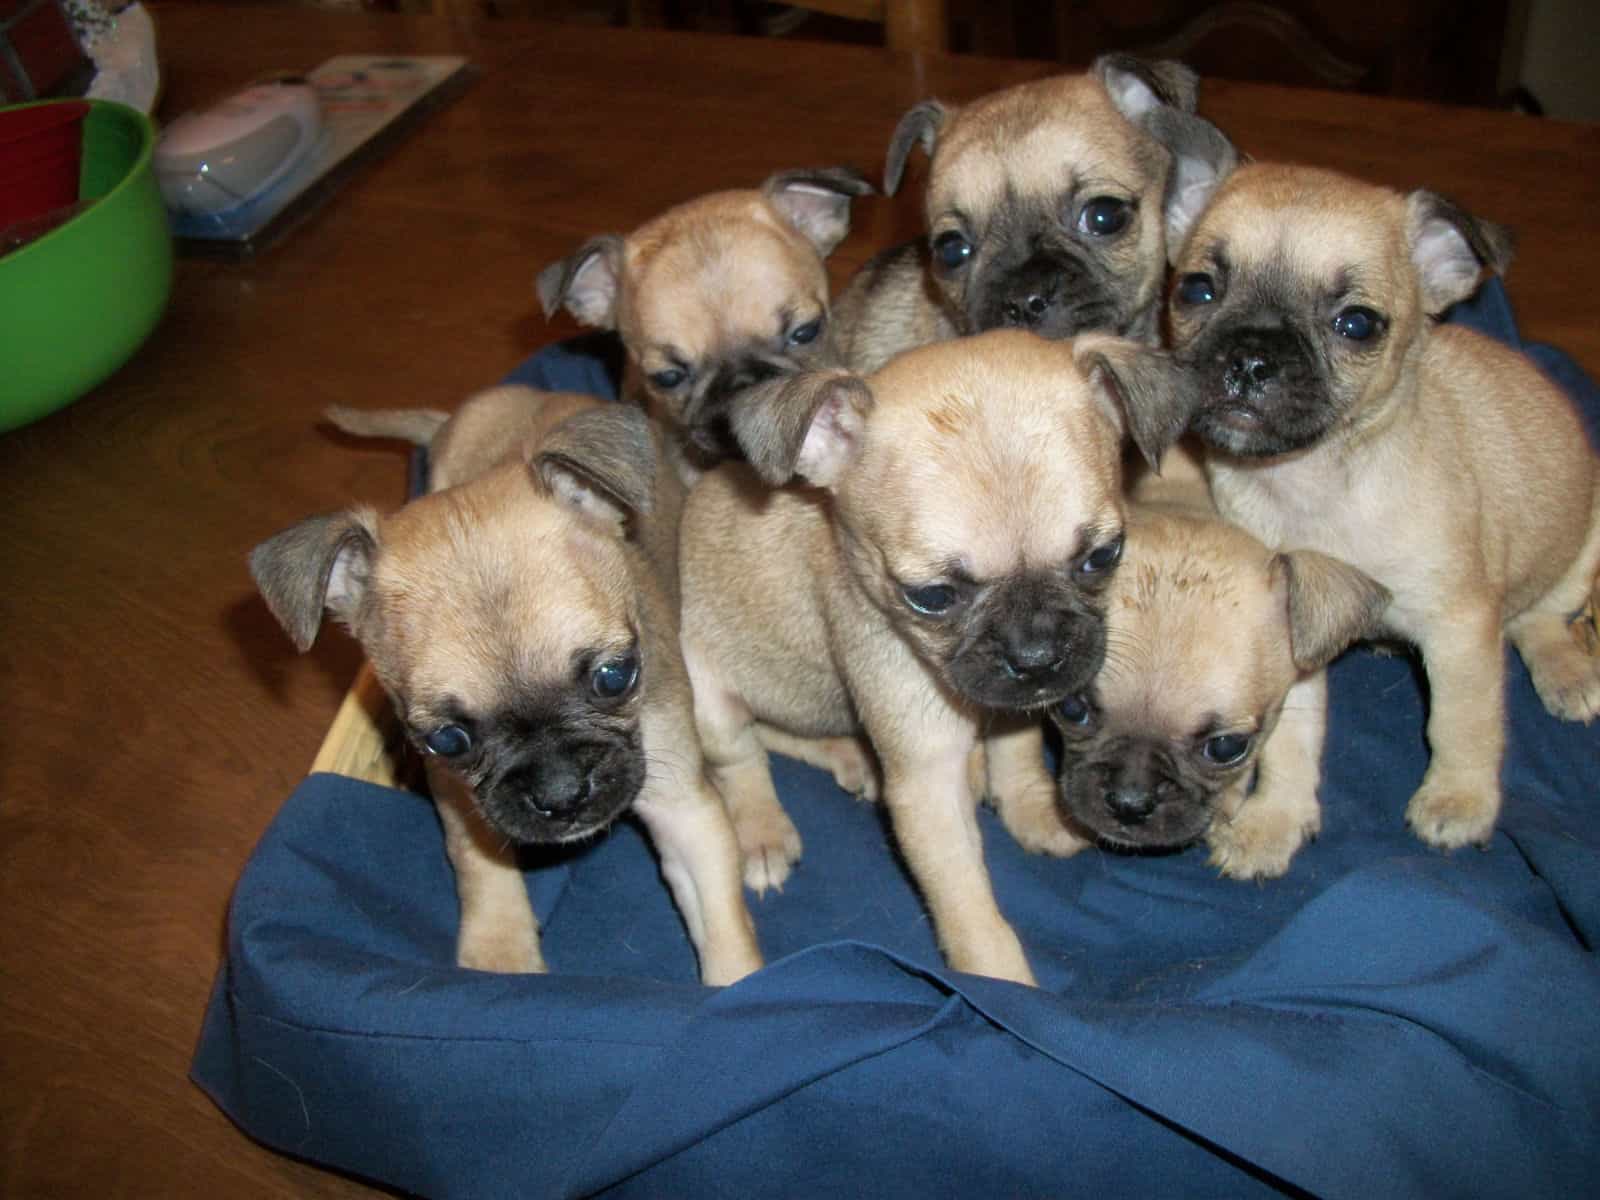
x,y
76,303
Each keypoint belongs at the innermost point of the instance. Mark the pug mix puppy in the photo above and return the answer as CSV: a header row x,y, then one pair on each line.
x,y
947,560
523,618
1043,211
1206,720
712,296
1339,415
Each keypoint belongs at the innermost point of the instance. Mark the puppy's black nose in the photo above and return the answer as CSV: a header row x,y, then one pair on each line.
x,y
1027,311
1130,805
554,804
556,788
1031,659
1248,370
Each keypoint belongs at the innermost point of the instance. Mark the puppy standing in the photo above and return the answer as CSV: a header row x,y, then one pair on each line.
x,y
712,296
948,561
1338,415
1185,732
1044,212
523,619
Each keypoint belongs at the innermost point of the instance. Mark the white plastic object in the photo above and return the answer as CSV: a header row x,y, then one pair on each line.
x,y
220,157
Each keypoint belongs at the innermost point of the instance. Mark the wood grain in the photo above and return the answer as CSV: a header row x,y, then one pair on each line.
x,y
157,716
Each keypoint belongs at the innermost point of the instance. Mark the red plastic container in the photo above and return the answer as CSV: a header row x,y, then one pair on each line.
x,y
40,152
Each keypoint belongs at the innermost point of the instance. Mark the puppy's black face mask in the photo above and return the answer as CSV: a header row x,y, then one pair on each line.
x,y
1027,642
1281,361
1020,642
1131,796
1056,266
702,395
708,426
1139,793
558,764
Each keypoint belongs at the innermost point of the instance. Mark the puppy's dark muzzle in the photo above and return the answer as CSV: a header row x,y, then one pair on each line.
x,y
1033,662
1132,803
556,791
1050,293
1262,395
709,421
561,796
1035,293
1250,365
1135,805
1247,373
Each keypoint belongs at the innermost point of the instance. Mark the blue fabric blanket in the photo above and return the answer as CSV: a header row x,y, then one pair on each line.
x,y
1386,1020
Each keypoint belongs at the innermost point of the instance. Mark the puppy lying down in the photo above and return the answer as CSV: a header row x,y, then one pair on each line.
x,y
1204,722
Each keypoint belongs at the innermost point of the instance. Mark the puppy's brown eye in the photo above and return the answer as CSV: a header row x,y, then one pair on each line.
x,y
1197,289
1226,749
1357,323
1103,216
448,741
1075,710
1103,557
806,334
615,677
952,250
931,600
669,379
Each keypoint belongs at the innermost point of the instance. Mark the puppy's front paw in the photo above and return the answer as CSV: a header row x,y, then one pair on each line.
x,y
503,951
1448,813
1033,818
769,845
1262,837
1566,676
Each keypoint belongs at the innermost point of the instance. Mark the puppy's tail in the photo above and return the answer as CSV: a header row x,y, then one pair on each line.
x,y
415,425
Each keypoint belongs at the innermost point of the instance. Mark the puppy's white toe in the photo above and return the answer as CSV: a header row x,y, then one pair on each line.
x,y
769,847
1449,815
1261,839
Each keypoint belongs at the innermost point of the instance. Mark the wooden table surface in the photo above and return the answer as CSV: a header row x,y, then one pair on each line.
x,y
156,716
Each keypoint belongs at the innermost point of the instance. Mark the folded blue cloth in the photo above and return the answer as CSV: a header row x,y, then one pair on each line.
x,y
1386,1020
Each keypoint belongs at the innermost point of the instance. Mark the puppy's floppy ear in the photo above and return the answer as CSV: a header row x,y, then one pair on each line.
x,y
600,462
1137,86
585,283
1202,157
805,426
321,563
1330,604
1142,389
919,127
1450,248
817,202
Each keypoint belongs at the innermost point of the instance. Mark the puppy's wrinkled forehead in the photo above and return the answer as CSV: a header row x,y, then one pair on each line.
x,y
1195,635
489,594
1037,140
1311,226
710,276
991,456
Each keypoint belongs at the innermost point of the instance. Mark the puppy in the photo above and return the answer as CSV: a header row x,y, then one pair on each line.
x,y
1197,725
1338,415
523,618
712,296
1043,212
947,561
